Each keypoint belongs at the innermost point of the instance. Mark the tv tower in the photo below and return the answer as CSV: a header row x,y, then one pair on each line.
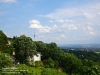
x,y
34,34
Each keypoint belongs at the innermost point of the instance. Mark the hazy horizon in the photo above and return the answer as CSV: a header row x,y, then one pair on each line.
x,y
59,21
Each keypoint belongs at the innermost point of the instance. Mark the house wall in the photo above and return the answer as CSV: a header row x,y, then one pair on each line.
x,y
36,57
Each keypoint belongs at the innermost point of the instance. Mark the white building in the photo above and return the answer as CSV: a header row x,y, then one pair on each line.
x,y
36,57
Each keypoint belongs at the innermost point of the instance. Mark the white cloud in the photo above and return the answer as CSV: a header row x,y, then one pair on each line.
x,y
45,29
62,13
8,1
41,37
99,13
51,21
89,28
73,19
63,36
92,33
57,38
72,27
89,24
35,24
79,22
91,11
89,15
56,29
63,21
69,26
55,26
60,21
66,20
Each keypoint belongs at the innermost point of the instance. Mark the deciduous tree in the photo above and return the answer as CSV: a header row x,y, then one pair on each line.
x,y
24,47
5,60
3,41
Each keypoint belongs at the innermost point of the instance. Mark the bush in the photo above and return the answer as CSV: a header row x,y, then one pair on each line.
x,y
5,60
50,63
39,64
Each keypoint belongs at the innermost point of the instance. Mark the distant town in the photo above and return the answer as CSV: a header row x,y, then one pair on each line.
x,y
82,47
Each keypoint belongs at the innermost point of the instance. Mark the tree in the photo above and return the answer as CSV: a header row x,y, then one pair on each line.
x,y
70,63
50,63
86,55
51,50
89,68
53,54
3,41
9,49
24,47
5,60
40,46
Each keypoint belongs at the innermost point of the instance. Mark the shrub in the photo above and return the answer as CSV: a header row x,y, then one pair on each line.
x,y
39,64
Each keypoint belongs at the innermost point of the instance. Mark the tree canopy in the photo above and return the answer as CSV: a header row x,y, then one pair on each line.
x,y
3,41
24,47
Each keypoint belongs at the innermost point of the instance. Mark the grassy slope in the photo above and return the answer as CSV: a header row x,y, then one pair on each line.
x,y
38,71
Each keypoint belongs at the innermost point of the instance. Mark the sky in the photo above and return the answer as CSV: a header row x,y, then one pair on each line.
x,y
59,21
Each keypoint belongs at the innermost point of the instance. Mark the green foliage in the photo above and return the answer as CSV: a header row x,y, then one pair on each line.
x,y
72,62
50,63
55,57
51,51
86,55
3,41
30,70
5,60
9,49
36,71
40,46
24,47
39,64
24,70
90,68
49,71
39,71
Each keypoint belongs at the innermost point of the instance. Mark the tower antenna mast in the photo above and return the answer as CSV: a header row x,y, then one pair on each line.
x,y
34,34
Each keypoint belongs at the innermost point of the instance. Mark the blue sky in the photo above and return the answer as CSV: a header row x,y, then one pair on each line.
x,y
60,21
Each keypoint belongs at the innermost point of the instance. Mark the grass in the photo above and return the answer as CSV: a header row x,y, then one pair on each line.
x,y
39,71
36,71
